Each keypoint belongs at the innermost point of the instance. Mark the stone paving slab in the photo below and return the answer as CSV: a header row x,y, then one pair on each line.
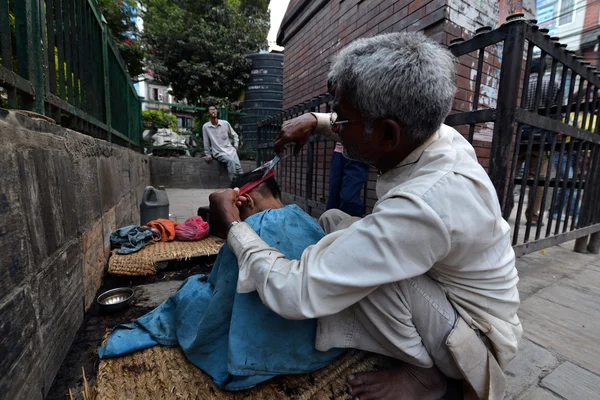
x,y
531,363
573,383
538,393
564,318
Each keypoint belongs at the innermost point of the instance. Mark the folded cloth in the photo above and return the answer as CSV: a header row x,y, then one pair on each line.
x,y
193,228
130,238
166,227
233,337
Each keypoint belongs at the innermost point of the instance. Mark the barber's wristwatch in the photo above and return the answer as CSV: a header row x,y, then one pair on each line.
x,y
231,225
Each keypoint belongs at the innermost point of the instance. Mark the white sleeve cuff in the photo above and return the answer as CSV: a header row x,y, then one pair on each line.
x,y
324,126
239,235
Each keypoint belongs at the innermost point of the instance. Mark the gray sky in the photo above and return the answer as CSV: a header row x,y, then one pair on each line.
x,y
277,8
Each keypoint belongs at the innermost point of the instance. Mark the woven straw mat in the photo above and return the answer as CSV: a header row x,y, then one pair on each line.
x,y
143,262
164,373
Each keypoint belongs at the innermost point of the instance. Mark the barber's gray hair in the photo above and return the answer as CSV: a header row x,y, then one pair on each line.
x,y
403,76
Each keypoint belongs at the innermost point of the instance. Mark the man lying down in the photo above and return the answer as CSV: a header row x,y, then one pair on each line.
x,y
233,337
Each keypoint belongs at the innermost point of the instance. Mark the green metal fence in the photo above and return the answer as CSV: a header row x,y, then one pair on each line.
x,y
58,59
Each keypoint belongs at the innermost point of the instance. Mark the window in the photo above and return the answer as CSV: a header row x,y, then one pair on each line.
x,y
566,13
180,122
155,94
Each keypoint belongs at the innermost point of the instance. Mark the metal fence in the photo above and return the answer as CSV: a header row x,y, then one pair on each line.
x,y
544,148
59,60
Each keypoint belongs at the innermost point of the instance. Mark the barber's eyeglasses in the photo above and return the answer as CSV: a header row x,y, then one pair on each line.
x,y
335,124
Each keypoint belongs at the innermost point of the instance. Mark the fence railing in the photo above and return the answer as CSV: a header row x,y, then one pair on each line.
x,y
545,124
59,60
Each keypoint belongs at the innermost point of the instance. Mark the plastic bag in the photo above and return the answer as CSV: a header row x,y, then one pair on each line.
x,y
194,228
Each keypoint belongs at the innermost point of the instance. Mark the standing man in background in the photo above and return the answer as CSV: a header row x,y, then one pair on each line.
x,y
221,142
346,179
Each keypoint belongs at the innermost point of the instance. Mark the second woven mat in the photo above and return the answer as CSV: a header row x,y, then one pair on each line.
x,y
143,262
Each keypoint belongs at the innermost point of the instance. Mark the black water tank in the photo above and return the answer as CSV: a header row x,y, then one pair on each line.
x,y
263,93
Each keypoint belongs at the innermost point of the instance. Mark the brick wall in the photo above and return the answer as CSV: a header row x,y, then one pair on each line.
x,y
311,44
313,31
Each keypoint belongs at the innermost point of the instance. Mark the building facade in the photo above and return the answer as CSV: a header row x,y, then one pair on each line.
x,y
153,92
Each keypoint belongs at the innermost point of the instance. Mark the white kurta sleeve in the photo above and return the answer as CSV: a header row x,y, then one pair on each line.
x,y
403,238
323,127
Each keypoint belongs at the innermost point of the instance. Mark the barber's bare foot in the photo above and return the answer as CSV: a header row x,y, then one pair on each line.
x,y
404,382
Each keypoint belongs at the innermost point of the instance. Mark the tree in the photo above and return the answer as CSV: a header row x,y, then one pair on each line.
x,y
157,119
200,46
120,17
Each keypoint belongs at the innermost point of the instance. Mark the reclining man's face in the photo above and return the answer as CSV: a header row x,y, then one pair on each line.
x,y
259,199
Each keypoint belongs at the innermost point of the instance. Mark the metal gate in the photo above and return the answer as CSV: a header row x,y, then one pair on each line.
x,y
543,125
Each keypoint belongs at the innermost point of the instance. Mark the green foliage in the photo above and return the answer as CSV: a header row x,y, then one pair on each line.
x,y
120,18
157,119
199,46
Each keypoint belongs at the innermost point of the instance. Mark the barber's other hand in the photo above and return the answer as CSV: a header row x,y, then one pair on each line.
x,y
223,206
297,131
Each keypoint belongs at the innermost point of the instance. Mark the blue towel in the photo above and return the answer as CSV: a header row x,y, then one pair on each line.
x,y
130,238
233,337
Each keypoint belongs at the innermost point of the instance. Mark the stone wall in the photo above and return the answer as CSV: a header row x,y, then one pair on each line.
x,y
191,172
61,195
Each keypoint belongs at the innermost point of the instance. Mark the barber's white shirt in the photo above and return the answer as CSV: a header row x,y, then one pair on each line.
x,y
437,213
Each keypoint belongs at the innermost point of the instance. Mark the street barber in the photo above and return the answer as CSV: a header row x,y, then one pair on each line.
x,y
429,277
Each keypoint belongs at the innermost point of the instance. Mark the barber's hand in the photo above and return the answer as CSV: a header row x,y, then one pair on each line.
x,y
223,206
297,131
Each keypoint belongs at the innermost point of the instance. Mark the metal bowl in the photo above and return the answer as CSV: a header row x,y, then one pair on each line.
x,y
115,299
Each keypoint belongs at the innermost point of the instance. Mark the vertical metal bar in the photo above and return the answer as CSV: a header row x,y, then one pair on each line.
x,y
531,207
594,190
106,78
559,176
316,172
60,40
593,112
565,180
570,96
68,30
539,85
561,92
309,172
572,184
551,88
524,183
6,49
38,65
24,47
586,213
5,42
81,83
582,178
585,107
51,34
510,73
546,185
578,104
475,104
325,187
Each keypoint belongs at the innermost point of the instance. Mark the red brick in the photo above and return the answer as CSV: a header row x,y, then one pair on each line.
x,y
416,4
